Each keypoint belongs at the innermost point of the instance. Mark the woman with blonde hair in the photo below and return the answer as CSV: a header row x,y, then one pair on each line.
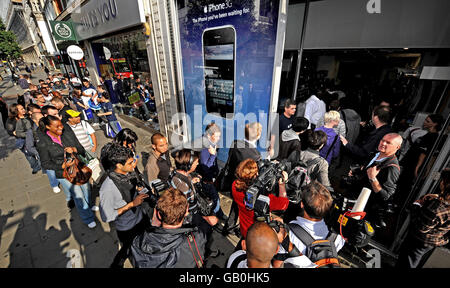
x,y
331,149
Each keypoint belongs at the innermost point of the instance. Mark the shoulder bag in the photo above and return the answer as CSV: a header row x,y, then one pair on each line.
x,y
75,171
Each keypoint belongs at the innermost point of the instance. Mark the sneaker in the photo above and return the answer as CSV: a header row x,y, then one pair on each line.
x,y
92,224
94,208
56,189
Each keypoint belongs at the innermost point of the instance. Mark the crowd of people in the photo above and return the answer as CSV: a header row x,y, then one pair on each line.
x,y
165,215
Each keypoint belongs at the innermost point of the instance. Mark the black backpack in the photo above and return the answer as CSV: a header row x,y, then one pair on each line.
x,y
321,252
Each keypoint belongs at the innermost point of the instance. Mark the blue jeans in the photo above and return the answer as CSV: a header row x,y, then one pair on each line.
x,y
81,196
34,161
52,179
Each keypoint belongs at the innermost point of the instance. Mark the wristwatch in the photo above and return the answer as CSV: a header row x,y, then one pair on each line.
x,y
374,179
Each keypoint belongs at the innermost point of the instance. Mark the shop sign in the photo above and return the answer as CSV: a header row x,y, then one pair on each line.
x,y
63,30
75,52
99,17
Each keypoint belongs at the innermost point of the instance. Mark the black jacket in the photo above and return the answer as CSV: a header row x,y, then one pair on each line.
x,y
239,151
52,154
169,248
388,177
369,144
289,143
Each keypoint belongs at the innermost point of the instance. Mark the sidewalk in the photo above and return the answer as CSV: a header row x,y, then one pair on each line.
x,y
37,230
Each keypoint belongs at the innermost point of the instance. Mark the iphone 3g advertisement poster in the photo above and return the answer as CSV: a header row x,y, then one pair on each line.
x,y
228,57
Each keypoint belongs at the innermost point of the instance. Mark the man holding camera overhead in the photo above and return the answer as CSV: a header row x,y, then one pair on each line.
x,y
120,201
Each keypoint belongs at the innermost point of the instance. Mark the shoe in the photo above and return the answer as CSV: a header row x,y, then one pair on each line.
x,y
95,208
70,204
34,172
92,224
56,189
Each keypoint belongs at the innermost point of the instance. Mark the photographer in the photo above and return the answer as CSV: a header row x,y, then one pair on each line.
x,y
380,174
316,203
120,202
246,173
172,245
185,179
258,249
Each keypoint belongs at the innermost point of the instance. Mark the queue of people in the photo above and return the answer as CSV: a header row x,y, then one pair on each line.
x,y
167,227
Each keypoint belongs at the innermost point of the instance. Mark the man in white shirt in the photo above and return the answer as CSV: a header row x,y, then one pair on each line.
x,y
88,93
316,203
75,81
315,109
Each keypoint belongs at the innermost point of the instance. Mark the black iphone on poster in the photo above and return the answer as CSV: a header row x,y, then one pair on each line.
x,y
219,69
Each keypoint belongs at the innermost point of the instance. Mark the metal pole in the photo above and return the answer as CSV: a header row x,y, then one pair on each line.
x,y
300,51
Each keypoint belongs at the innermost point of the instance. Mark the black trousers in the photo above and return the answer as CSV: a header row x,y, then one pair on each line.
x,y
233,217
414,253
126,239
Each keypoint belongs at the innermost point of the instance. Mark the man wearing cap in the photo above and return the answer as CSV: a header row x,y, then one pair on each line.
x,y
57,84
83,131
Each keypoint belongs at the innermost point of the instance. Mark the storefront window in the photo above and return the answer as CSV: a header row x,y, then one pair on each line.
x,y
127,52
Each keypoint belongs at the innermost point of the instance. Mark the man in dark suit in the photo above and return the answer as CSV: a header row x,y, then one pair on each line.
x,y
239,151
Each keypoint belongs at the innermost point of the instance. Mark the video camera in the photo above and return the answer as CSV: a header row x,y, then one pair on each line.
x,y
257,195
342,220
205,204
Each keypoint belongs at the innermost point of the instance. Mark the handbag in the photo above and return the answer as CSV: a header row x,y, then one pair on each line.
x,y
88,114
94,164
75,171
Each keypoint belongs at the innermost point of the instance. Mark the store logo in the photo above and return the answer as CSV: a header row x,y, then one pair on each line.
x,y
373,6
63,31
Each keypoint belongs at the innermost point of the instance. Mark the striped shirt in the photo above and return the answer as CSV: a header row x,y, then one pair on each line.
x,y
82,134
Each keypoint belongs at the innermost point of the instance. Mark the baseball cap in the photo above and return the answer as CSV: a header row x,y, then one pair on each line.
x,y
73,113
55,80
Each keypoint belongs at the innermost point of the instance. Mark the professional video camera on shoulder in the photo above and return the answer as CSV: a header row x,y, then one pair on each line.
x,y
270,172
347,218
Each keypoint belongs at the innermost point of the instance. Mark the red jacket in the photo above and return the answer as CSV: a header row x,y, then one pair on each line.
x,y
247,217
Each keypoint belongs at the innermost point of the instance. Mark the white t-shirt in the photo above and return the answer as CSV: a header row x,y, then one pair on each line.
x,y
317,230
314,110
75,81
89,91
